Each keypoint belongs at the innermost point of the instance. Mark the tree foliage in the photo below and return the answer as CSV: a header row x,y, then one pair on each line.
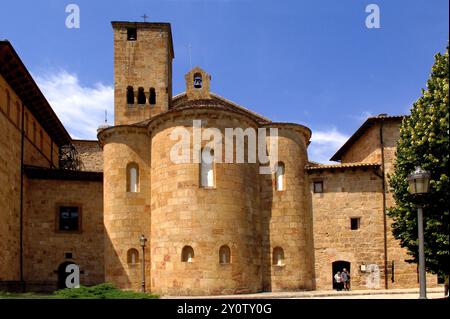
x,y
424,142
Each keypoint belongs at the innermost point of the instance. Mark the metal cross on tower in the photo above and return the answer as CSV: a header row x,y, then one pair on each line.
x,y
144,17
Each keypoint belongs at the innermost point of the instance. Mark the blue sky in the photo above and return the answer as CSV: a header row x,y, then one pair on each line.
x,y
312,62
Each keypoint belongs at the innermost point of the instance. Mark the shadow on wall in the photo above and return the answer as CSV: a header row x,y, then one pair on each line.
x,y
114,271
266,212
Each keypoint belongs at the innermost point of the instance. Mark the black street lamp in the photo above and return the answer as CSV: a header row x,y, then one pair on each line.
x,y
418,185
142,241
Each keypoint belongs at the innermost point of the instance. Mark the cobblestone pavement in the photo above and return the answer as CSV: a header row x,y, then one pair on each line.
x,y
432,293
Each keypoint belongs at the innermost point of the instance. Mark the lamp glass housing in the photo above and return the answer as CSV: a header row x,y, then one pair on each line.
x,y
419,181
142,240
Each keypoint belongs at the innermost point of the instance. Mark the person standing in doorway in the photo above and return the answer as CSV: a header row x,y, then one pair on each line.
x,y
338,281
345,279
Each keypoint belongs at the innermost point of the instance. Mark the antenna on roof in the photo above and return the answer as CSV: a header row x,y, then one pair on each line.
x,y
105,125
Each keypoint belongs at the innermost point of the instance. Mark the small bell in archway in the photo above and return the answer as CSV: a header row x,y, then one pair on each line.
x,y
198,82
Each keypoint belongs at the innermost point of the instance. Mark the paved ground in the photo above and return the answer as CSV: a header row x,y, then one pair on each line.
x,y
432,293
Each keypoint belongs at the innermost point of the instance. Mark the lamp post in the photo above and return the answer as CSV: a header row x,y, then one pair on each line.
x,y
142,241
418,185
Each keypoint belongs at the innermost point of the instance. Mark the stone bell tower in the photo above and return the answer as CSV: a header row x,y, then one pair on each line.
x,y
143,54
197,84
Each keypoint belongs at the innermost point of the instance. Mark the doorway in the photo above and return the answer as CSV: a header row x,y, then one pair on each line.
x,y
62,275
339,265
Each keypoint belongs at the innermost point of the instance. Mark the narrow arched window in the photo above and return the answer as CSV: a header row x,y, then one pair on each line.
x,y
152,98
141,96
207,168
279,176
187,254
132,256
278,256
25,125
224,255
198,80
8,103
34,132
130,95
18,113
132,178
41,140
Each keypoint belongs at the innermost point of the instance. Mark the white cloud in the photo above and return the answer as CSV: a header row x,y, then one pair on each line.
x,y
361,117
324,144
80,108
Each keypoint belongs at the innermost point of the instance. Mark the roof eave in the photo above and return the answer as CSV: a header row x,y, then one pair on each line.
x,y
58,133
359,132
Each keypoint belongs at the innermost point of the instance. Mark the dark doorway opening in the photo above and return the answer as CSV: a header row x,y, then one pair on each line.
x,y
62,275
339,265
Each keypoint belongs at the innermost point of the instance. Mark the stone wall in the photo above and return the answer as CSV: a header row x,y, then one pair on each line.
x,y
145,62
37,151
405,274
365,149
10,151
347,194
186,214
45,246
91,155
286,218
126,214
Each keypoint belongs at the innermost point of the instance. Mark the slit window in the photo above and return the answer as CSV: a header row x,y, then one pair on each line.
x,y
25,125
34,132
141,96
224,255
130,95
318,187
131,34
18,114
207,168
355,223
152,97
279,176
8,103
41,140
132,256
132,178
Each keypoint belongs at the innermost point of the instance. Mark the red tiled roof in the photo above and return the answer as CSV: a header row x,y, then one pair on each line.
x,y
341,166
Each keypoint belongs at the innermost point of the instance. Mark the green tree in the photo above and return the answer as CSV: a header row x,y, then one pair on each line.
x,y
424,142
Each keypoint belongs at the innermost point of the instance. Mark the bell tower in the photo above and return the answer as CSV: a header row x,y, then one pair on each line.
x,y
197,84
143,54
